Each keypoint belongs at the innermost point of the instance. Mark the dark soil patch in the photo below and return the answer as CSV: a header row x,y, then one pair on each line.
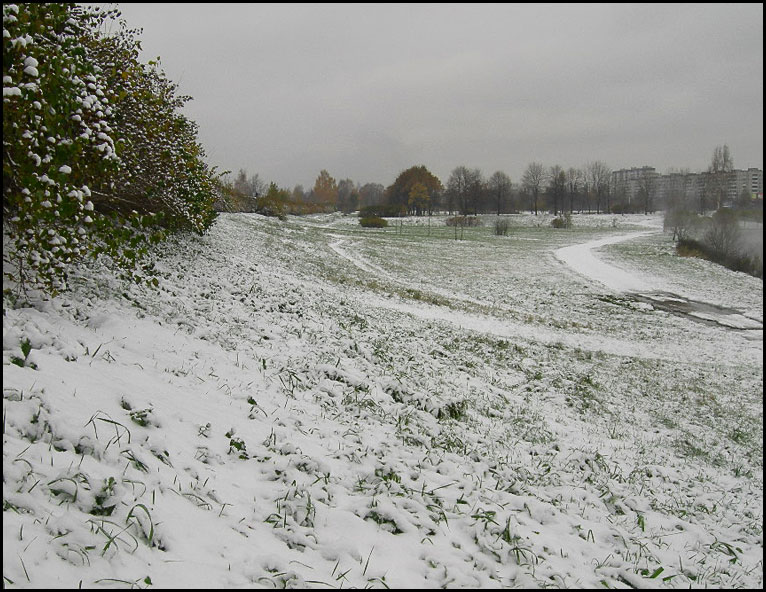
x,y
700,312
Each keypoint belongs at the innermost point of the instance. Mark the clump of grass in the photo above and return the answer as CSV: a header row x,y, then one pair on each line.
x,y
107,490
237,445
132,519
454,410
134,584
140,416
739,435
385,523
26,348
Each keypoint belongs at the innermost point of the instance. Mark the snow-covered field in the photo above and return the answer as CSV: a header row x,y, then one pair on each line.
x,y
313,404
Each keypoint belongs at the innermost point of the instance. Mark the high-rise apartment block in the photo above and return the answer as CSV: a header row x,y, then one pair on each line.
x,y
627,183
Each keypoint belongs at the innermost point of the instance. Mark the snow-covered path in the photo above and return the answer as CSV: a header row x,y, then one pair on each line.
x,y
582,260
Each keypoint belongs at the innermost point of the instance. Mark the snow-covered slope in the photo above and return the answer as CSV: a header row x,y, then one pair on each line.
x,y
312,404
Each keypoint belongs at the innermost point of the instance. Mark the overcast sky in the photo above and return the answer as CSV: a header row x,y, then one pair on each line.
x,y
366,91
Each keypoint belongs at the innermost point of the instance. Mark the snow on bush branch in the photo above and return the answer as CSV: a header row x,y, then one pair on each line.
x,y
97,158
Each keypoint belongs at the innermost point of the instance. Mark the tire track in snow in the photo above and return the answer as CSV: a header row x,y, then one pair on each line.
x,y
356,260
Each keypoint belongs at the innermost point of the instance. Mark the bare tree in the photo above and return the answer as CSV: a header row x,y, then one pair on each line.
x,y
347,196
371,194
500,188
557,186
676,190
457,189
250,188
477,190
724,234
533,179
719,171
647,189
464,188
599,175
574,182
681,221
240,182
524,194
621,195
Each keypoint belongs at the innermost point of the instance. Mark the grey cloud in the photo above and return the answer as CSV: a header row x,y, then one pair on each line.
x,y
367,90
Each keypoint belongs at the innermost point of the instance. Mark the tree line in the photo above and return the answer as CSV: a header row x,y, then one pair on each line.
x,y
416,191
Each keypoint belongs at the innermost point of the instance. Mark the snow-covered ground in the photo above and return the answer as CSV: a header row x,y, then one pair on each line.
x,y
312,404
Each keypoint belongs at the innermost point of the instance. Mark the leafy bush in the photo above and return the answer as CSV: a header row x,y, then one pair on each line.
x,y
274,203
302,208
735,261
373,222
96,158
564,221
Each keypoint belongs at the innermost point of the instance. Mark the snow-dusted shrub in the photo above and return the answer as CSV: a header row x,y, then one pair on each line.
x,y
95,156
563,221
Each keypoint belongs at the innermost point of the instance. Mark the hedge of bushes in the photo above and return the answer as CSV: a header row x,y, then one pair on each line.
x,y
97,157
373,222
464,221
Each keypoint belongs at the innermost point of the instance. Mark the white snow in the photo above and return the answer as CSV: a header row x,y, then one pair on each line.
x,y
312,404
582,259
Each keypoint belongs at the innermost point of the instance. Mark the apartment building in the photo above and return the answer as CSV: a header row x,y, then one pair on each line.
x,y
626,184
750,180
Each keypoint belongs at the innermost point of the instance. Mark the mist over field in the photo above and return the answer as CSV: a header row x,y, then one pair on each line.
x,y
752,239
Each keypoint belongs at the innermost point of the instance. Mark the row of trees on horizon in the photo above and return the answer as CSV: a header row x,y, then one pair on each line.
x,y
417,191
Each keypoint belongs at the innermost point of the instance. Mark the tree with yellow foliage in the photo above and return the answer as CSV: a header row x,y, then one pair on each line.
x,y
325,189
